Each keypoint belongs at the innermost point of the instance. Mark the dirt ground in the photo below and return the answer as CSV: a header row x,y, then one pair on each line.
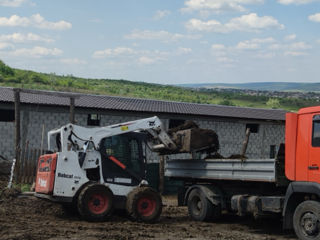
x,y
32,218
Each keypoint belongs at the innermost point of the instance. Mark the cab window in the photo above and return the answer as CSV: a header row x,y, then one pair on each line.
x,y
316,131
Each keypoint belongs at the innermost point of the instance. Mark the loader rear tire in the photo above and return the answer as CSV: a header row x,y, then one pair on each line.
x,y
144,205
95,202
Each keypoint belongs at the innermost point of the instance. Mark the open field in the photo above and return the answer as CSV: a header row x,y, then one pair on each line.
x,y
32,218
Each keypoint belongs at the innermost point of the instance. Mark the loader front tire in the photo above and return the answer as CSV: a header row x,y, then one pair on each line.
x,y
144,205
95,202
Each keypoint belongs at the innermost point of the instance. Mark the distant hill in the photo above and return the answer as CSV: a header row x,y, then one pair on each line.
x,y
262,86
11,77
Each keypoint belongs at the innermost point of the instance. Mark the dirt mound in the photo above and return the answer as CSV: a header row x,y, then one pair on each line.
x,y
187,125
9,193
3,182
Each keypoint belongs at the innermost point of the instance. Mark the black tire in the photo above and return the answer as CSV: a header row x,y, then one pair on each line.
x,y
144,205
200,208
306,220
95,202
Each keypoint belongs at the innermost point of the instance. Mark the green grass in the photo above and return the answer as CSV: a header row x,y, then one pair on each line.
x,y
22,186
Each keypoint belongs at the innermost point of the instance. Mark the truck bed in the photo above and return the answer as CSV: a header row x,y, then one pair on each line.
x,y
261,170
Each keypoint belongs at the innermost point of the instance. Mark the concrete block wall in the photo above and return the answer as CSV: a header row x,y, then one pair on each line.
x,y
7,139
32,123
231,133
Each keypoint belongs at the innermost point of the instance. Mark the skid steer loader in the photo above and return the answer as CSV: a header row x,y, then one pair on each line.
x,y
97,170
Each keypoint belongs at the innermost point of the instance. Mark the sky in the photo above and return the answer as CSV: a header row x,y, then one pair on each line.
x,y
165,41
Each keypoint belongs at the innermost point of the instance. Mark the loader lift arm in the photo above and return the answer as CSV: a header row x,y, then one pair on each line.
x,y
76,137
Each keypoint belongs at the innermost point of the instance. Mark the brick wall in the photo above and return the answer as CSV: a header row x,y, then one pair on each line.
x,y
231,133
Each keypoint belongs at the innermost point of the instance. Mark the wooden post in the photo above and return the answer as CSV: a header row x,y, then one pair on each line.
x,y
161,174
245,143
16,92
72,101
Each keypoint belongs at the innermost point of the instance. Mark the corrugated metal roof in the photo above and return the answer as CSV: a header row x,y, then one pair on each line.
x,y
143,105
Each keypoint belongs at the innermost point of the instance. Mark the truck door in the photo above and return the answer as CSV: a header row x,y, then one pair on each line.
x,y
314,151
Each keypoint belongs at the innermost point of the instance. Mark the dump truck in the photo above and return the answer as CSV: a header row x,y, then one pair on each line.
x,y
288,185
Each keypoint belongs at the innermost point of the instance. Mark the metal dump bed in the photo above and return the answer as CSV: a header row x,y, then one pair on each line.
x,y
262,170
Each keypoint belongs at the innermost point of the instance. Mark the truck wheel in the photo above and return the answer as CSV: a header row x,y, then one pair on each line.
x,y
144,204
306,220
199,207
95,202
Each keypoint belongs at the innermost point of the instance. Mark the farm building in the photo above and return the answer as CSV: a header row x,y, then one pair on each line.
x,y
39,111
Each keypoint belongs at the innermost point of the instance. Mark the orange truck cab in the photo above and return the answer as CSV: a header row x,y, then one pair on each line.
x,y
303,145
302,162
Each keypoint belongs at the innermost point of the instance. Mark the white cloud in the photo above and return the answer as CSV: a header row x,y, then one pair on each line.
x,y
35,20
299,46
11,3
4,45
247,23
159,35
290,37
21,38
314,17
217,6
146,60
73,61
265,55
263,40
219,50
295,53
161,14
296,2
182,50
247,45
126,55
218,47
109,52
259,48
36,52
293,46
293,49
151,59
225,60
253,43
209,26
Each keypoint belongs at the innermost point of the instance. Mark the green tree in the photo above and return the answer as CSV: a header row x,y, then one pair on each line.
x,y
226,102
273,103
6,70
